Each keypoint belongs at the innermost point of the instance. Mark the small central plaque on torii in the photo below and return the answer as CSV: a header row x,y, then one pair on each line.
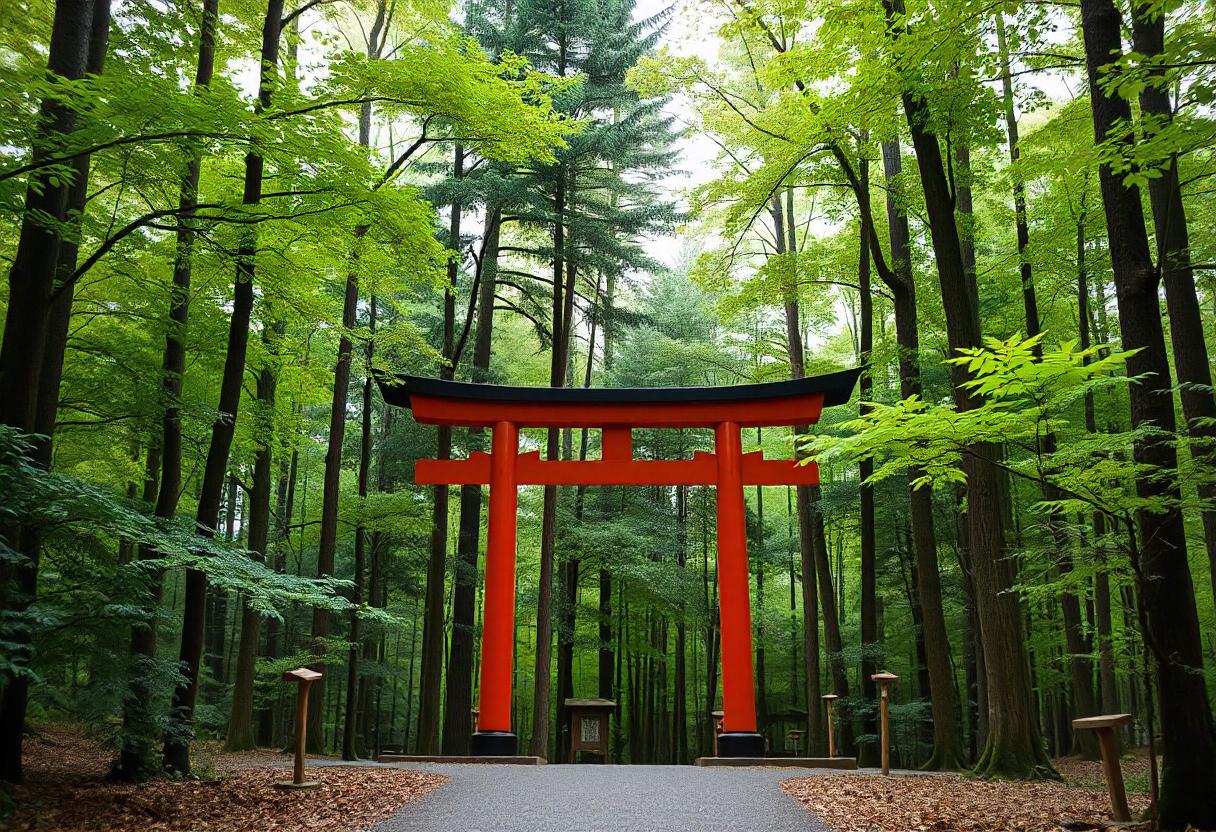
x,y
617,413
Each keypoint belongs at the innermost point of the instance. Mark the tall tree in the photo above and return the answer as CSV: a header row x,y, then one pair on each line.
x,y
240,720
1173,241
1012,745
135,757
1188,738
77,45
1076,643
181,712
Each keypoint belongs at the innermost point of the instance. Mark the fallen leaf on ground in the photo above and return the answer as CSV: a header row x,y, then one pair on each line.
x,y
66,791
951,803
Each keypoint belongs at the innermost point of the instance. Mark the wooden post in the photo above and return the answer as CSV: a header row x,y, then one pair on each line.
x,y
885,680
830,699
1105,726
303,678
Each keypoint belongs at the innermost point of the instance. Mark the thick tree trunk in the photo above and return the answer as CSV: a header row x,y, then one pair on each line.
x,y
181,713
1188,740
27,336
1013,746
1174,264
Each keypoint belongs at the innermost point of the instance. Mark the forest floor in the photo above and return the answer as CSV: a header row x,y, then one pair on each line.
x,y
954,803
66,791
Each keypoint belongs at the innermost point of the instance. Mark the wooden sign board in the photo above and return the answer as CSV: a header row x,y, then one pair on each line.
x,y
301,674
589,726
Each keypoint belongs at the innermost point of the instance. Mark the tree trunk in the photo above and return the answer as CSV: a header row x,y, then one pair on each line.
x,y
1013,746
456,736
810,503
947,749
268,716
181,713
1174,264
77,45
810,535
1085,743
1188,740
240,721
563,313
135,751
1107,687
867,754
607,659
330,493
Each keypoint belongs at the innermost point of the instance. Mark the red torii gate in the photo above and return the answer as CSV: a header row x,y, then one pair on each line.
x,y
617,412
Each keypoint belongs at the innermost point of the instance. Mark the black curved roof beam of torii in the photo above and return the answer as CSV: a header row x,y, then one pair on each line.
x,y
770,404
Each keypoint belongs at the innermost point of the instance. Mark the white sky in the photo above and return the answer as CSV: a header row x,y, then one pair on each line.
x,y
686,36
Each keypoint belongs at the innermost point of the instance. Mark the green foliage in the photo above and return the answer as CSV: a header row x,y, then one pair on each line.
x,y
1024,398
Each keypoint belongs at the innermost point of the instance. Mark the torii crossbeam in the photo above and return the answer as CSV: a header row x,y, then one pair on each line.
x,y
617,412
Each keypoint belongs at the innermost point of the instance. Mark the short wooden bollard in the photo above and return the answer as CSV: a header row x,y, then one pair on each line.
x,y
1105,726
885,680
303,678
830,699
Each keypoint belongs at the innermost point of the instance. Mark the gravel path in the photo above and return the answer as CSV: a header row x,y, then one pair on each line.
x,y
586,798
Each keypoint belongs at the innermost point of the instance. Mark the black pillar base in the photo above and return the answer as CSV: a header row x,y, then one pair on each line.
x,y
493,744
740,744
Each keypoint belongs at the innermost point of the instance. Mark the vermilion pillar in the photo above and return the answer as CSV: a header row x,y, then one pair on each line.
x,y
739,737
494,736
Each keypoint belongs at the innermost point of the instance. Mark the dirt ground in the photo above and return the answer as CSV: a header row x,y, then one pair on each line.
x,y
953,803
66,791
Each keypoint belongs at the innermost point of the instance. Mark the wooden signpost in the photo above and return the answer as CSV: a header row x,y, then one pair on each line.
x,y
717,715
830,699
885,680
1105,727
589,726
303,678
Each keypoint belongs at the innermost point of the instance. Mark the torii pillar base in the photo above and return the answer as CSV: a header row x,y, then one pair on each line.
x,y
740,744
494,744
